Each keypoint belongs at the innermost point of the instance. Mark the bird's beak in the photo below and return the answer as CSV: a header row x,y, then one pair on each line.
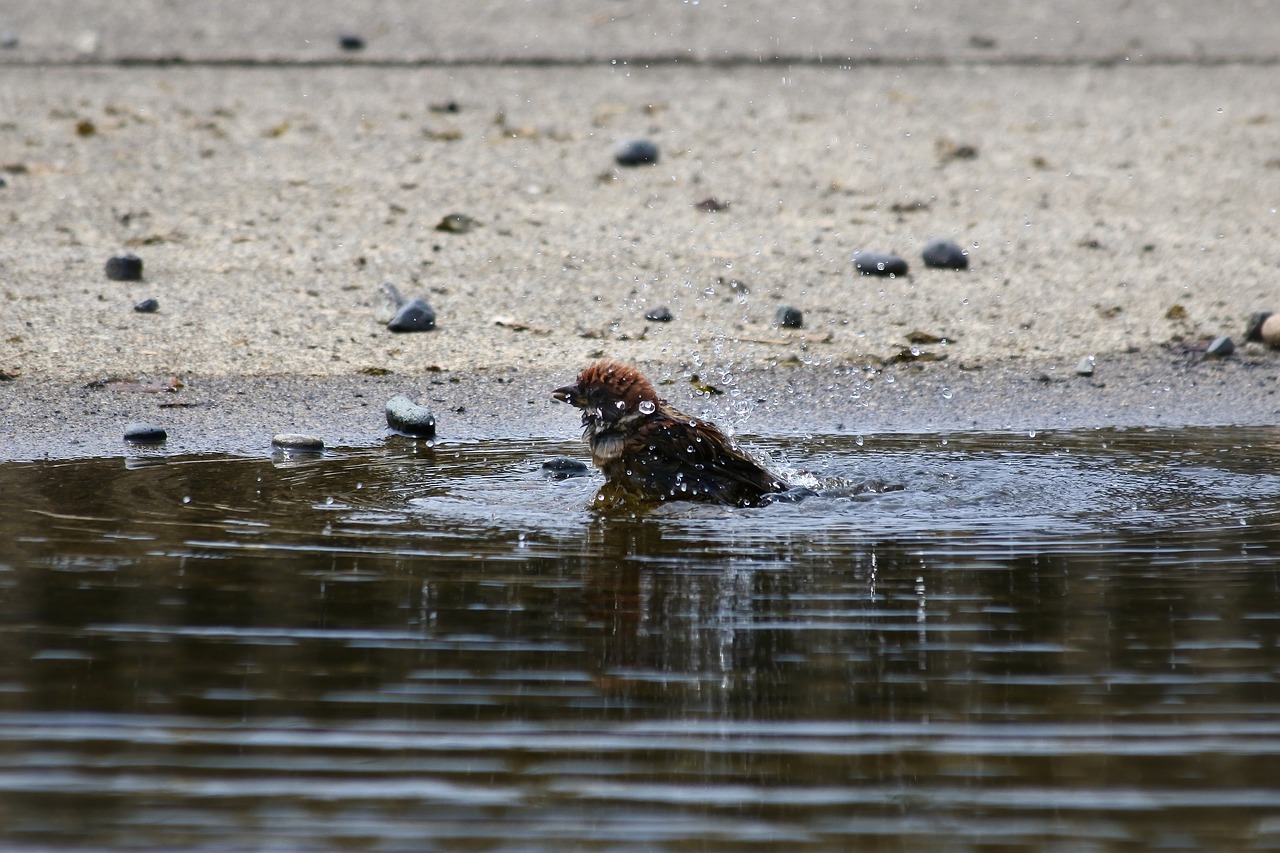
x,y
568,394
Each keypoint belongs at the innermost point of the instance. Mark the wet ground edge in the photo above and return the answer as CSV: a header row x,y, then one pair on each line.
x,y
78,418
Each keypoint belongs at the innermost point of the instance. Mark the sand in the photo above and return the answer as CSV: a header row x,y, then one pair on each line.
x,y
1120,209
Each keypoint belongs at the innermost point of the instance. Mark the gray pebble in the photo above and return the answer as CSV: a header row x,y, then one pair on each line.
x,y
789,318
1221,347
1085,367
147,306
564,467
661,314
297,441
9,40
412,315
1253,332
879,263
124,268
406,416
350,41
141,433
636,152
945,254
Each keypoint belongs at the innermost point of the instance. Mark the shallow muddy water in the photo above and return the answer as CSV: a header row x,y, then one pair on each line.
x,y
1038,642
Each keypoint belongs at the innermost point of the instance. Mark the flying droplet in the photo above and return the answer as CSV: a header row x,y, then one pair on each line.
x,y
647,407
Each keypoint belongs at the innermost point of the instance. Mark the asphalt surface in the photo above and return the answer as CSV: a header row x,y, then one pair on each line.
x,y
1112,170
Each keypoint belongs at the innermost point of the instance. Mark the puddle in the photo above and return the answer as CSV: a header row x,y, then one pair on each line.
x,y
1061,641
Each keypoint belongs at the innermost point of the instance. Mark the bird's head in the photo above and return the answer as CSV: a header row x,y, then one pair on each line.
x,y
609,392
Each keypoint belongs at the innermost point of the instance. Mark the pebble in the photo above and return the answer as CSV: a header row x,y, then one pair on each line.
x,y
636,152
945,254
350,41
1271,331
879,263
141,433
661,314
564,467
457,223
124,268
9,40
297,441
1221,347
1085,367
412,315
789,318
406,416
1264,327
147,306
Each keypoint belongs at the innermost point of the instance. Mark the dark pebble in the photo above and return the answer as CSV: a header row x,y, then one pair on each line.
x,y
457,223
789,318
297,441
945,254
9,40
350,41
1253,332
879,263
661,314
413,316
636,152
406,416
145,434
147,306
1221,347
124,268
564,467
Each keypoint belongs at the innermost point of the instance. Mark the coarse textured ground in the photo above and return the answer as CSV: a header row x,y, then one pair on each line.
x,y
1125,210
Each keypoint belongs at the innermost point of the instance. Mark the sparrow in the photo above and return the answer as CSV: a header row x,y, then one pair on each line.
x,y
650,451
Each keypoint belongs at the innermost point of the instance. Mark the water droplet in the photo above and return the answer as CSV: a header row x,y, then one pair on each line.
x,y
621,405
947,394
859,441
647,407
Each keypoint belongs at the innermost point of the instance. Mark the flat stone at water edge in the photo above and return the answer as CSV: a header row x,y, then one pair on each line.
x,y
147,306
143,433
297,441
564,467
406,416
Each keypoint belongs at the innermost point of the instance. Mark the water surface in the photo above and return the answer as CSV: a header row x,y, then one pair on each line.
x,y
1063,641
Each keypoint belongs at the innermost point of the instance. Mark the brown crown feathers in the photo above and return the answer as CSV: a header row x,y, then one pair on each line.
x,y
649,450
